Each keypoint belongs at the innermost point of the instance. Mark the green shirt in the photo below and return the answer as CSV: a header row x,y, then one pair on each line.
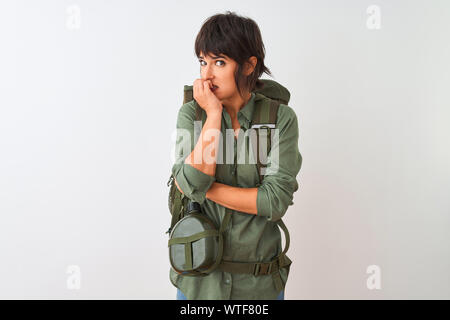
x,y
248,238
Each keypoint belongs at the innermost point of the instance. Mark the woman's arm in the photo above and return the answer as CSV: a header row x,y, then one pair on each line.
x,y
239,199
235,198
198,158
191,181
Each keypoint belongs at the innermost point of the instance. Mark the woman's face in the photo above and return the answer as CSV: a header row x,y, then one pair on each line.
x,y
220,70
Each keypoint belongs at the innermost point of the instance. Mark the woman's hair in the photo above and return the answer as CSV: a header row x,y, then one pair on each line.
x,y
239,38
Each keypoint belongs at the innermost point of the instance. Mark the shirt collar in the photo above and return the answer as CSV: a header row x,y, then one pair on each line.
x,y
247,110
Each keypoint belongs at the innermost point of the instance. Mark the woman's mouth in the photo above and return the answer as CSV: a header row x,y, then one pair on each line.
x,y
214,87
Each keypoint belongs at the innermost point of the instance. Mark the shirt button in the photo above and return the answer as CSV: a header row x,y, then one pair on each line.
x,y
227,281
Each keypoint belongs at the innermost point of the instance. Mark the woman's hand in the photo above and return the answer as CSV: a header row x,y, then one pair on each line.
x,y
206,99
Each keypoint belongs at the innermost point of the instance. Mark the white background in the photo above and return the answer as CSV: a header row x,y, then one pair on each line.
x,y
88,105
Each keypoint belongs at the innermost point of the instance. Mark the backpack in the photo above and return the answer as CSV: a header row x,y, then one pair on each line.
x,y
181,207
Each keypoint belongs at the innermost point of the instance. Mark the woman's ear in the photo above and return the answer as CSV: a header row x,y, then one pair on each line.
x,y
250,65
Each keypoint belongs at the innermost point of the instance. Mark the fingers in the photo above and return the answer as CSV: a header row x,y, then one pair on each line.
x,y
202,87
202,83
209,83
207,86
198,88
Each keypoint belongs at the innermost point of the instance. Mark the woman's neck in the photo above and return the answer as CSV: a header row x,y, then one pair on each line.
x,y
233,105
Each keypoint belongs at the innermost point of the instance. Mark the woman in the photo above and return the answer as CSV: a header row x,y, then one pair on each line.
x,y
231,55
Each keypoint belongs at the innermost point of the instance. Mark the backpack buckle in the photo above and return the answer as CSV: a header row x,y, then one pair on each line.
x,y
263,126
262,269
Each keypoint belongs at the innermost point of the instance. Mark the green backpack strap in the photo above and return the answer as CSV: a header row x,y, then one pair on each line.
x,y
177,203
264,120
188,95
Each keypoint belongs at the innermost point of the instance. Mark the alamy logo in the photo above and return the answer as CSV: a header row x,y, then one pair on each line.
x,y
74,279
374,19
374,280
73,21
247,149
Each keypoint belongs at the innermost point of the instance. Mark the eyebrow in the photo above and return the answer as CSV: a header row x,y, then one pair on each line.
x,y
215,57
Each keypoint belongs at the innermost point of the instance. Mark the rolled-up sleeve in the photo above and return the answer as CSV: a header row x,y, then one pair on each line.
x,y
276,192
193,182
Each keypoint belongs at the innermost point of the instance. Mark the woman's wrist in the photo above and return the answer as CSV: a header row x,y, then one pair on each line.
x,y
215,112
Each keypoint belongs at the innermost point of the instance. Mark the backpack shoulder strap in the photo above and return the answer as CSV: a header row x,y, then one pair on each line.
x,y
264,120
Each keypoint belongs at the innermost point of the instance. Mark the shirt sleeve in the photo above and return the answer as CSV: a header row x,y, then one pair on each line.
x,y
192,181
284,161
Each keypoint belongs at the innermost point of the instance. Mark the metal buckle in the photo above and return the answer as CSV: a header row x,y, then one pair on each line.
x,y
170,180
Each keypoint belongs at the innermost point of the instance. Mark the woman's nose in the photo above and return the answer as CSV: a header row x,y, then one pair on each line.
x,y
207,73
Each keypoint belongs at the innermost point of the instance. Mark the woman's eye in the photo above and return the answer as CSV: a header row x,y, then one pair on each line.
x,y
201,61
